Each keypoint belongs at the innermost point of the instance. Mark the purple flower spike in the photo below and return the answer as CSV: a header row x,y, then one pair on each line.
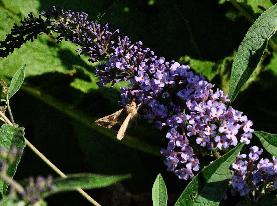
x,y
170,95
252,173
179,156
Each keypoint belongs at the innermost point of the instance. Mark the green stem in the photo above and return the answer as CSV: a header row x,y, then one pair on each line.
x,y
47,161
216,154
16,186
9,110
58,171
90,122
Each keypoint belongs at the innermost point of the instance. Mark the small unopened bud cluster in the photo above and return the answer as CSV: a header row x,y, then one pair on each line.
x,y
36,188
28,30
253,174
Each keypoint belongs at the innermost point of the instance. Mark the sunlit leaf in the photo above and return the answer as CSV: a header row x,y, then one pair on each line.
x,y
251,49
206,68
269,141
16,82
159,192
209,186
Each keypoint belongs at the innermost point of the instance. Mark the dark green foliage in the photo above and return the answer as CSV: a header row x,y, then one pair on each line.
x,y
84,181
251,49
10,137
209,186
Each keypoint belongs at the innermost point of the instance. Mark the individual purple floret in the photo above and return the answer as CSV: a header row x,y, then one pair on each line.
x,y
254,174
180,158
170,95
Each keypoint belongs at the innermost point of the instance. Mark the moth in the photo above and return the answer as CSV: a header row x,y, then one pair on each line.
x,y
111,120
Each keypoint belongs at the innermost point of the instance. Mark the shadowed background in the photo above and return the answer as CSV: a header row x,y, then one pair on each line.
x,y
204,34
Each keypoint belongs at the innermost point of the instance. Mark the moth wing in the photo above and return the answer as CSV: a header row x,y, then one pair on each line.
x,y
110,120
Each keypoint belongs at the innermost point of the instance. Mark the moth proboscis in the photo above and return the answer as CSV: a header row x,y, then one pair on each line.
x,y
111,120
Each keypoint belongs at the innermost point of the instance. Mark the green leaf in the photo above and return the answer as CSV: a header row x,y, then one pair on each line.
x,y
208,187
159,192
258,5
7,201
12,200
21,8
16,82
85,181
269,141
42,56
7,19
11,137
251,49
83,86
206,68
272,66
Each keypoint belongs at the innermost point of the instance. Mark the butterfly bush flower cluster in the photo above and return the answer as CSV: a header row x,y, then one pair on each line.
x,y
35,187
171,95
254,174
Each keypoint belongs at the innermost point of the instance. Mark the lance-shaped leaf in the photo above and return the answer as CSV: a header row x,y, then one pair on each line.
x,y
7,201
209,186
16,82
269,141
251,49
84,181
159,192
11,137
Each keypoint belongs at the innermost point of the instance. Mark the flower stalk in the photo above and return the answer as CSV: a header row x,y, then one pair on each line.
x,y
47,161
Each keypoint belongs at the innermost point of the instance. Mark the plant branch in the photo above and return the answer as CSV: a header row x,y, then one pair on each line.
x,y
216,154
11,182
9,110
48,162
58,171
5,119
